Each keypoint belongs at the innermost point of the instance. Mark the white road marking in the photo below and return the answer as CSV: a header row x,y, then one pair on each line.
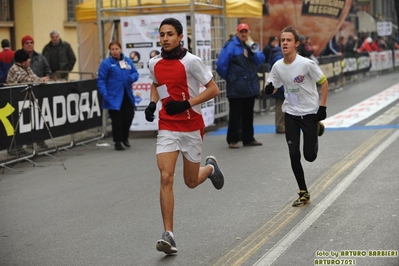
x,y
364,109
385,118
272,255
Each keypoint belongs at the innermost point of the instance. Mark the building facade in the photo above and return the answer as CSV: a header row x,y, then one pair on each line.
x,y
381,11
38,18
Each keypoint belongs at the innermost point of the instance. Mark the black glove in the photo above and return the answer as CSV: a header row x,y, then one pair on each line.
x,y
269,89
149,111
174,107
322,113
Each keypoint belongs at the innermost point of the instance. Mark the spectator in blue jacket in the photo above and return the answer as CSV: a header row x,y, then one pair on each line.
x,y
332,47
116,75
238,64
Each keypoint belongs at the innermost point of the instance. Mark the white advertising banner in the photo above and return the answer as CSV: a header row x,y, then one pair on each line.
x,y
140,38
203,47
140,41
381,60
203,38
384,28
396,61
141,91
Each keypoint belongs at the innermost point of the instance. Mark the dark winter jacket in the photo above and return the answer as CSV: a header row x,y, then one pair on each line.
x,y
66,56
39,65
275,55
239,71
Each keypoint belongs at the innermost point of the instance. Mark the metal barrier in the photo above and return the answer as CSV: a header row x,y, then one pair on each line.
x,y
264,100
61,75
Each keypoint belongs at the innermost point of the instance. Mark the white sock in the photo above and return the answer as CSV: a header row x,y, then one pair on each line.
x,y
170,233
213,169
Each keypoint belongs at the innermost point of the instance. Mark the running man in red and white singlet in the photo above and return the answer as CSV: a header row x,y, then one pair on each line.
x,y
177,76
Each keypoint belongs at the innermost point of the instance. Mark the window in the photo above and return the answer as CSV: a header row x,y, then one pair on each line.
x,y
5,11
71,4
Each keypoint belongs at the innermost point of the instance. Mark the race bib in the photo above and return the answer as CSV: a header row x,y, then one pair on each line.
x,y
122,64
293,99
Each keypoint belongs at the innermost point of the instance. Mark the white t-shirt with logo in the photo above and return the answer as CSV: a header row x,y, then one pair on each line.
x,y
299,79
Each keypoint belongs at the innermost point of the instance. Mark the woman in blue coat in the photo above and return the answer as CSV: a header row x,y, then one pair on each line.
x,y
116,75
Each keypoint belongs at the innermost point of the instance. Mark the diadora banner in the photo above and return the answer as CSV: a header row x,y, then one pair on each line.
x,y
67,108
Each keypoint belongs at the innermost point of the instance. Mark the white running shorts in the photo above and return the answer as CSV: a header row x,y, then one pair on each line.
x,y
188,143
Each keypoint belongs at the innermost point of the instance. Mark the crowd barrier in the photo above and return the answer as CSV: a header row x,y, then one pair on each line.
x,y
348,65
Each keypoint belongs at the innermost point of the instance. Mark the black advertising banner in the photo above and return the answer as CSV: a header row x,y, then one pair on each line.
x,y
333,66
330,8
67,108
357,63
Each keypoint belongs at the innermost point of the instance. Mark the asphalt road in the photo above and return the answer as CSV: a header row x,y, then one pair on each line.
x,y
104,208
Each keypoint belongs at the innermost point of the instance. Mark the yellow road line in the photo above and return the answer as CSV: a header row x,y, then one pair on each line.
x,y
256,240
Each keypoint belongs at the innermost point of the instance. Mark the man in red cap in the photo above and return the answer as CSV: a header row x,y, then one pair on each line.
x,y
238,64
38,63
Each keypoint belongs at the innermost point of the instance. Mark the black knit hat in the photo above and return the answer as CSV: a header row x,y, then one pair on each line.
x,y
21,56
5,43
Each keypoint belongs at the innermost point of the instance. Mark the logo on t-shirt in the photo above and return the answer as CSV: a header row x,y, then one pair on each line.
x,y
299,79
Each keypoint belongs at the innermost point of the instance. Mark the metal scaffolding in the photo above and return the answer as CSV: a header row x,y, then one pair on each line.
x,y
108,20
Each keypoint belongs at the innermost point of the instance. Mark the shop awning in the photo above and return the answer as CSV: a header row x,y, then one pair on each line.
x,y
366,22
243,9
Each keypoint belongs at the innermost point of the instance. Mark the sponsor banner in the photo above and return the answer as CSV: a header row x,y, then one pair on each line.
x,y
208,112
381,60
140,38
331,67
141,91
330,9
355,64
334,66
66,108
203,38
